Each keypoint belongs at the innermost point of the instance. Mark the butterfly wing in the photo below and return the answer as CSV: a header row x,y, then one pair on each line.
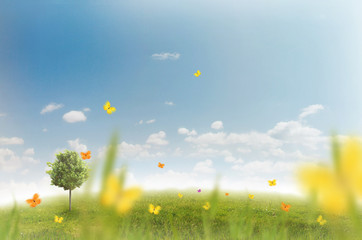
x,y
197,73
157,210
56,219
111,110
83,155
36,196
151,208
60,220
107,105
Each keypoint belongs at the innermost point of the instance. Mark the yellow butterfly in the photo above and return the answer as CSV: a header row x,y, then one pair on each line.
x,y
198,73
108,108
207,206
272,182
180,195
58,219
154,210
321,220
251,196
114,194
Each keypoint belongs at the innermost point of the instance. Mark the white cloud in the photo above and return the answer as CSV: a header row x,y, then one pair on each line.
x,y
208,138
230,158
204,167
11,141
10,161
77,146
312,109
29,159
205,152
165,56
86,109
178,152
45,130
130,151
140,122
185,131
74,116
51,107
296,133
243,150
262,167
217,125
24,172
151,121
29,152
252,139
157,138
3,114
169,103
170,179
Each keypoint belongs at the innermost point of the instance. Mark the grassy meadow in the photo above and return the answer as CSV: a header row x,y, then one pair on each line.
x,y
230,217
118,213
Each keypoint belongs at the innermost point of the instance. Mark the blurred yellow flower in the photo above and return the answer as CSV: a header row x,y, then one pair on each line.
x,y
334,189
154,210
321,220
251,196
180,195
115,195
207,206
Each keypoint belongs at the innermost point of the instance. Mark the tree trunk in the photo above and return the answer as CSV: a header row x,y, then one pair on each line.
x,y
70,199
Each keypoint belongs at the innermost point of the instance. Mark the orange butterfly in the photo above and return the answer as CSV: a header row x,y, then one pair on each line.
x,y
35,201
285,207
86,155
226,194
160,165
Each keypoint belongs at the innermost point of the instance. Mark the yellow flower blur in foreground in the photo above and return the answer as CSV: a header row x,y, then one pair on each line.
x,y
251,196
115,195
334,189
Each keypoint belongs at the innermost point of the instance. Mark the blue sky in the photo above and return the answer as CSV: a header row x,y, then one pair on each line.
x,y
262,63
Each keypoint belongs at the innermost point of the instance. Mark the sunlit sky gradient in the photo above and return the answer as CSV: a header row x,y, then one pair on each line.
x,y
264,66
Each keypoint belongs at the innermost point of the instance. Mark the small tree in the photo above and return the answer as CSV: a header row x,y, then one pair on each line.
x,y
68,171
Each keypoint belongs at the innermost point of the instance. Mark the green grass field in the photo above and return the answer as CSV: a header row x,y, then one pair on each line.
x,y
230,217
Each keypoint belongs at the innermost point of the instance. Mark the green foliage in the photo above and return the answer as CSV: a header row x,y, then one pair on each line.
x,y
68,171
110,160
